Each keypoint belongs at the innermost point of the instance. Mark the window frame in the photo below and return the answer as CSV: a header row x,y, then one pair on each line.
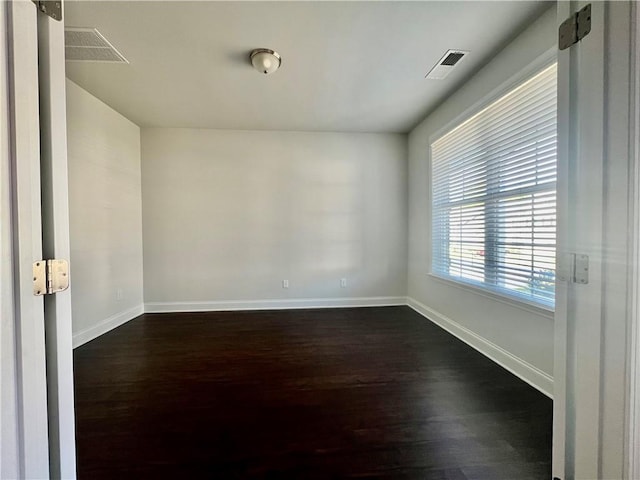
x,y
479,288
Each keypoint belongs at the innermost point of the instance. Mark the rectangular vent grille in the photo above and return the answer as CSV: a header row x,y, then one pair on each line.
x,y
446,64
452,59
88,45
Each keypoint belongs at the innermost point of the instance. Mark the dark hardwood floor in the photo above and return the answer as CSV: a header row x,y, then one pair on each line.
x,y
302,394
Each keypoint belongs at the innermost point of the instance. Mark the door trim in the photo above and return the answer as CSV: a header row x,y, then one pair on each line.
x,y
33,441
56,244
633,418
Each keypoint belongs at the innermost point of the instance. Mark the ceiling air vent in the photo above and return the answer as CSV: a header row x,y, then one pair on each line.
x,y
88,45
446,64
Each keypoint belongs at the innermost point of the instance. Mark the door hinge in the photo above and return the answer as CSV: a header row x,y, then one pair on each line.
x,y
50,276
575,28
50,8
573,268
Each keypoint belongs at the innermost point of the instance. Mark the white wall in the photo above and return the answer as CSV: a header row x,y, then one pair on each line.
x,y
519,338
228,215
105,215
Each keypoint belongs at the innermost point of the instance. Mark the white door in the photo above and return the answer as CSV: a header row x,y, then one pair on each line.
x,y
40,441
594,198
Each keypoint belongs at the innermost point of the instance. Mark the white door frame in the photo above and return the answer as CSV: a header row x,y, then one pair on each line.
x,y
578,323
595,211
40,443
9,437
618,238
32,448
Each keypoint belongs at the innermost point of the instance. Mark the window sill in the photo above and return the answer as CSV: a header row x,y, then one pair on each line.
x,y
512,302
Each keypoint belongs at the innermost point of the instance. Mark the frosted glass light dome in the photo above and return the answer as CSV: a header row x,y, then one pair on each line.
x,y
265,61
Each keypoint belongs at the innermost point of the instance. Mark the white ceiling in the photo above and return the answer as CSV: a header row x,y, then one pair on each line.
x,y
346,66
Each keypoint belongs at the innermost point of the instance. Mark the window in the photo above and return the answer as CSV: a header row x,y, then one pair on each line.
x,y
494,194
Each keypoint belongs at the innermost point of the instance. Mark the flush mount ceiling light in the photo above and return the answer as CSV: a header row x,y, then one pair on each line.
x,y
265,61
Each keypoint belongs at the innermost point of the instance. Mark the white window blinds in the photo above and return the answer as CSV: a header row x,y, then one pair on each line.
x,y
494,194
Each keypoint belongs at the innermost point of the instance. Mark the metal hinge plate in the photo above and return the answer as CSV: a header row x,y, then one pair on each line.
x,y
574,268
574,28
50,8
50,276
581,269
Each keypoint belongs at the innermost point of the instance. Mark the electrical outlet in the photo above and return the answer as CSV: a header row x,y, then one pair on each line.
x,y
343,283
285,283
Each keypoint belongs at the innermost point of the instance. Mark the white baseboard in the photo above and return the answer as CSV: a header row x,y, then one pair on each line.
x,y
106,325
284,304
520,368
